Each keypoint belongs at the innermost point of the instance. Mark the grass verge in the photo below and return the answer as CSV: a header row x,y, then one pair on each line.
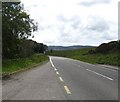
x,y
15,65
82,55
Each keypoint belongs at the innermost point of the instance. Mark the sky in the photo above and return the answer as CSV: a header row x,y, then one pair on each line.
x,y
74,22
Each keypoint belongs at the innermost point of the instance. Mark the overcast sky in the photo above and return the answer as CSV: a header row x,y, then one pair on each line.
x,y
74,22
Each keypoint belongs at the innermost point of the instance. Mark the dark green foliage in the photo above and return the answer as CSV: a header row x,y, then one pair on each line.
x,y
112,46
16,28
104,48
118,47
29,47
26,48
51,50
91,51
40,48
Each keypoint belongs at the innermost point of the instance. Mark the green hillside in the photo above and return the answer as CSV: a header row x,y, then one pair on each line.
x,y
92,55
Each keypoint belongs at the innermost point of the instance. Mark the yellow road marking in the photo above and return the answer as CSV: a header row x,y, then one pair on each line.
x,y
60,78
67,90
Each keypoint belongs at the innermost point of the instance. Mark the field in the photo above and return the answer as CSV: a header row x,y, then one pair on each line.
x,y
15,65
83,55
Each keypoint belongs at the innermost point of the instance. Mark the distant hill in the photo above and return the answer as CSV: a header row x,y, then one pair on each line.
x,y
105,48
112,46
68,47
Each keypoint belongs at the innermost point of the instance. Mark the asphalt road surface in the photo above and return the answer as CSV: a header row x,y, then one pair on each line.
x,y
63,79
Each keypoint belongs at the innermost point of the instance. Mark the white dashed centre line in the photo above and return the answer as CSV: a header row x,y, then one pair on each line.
x,y
55,69
61,79
57,73
67,90
100,74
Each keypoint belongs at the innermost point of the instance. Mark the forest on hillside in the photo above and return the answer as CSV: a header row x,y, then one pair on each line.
x,y
104,48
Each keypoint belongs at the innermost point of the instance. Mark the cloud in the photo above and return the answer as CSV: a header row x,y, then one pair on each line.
x,y
94,2
62,18
73,21
64,22
96,30
97,24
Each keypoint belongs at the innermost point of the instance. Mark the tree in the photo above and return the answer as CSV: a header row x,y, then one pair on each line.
x,y
40,48
16,25
112,46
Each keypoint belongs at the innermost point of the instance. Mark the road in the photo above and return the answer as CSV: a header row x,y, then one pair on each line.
x,y
63,79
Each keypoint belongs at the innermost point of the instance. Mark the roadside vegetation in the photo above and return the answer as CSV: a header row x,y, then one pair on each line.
x,y
16,65
106,53
19,52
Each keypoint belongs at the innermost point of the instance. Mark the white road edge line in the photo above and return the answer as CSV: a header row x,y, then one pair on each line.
x,y
61,79
67,90
51,62
100,74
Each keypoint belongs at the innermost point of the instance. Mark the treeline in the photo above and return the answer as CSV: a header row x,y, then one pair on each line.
x,y
17,26
24,48
113,46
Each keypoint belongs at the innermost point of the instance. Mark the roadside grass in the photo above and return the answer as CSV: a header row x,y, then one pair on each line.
x,y
15,65
82,55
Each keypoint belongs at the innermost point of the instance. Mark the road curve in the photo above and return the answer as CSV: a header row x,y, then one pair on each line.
x,y
63,79
87,81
